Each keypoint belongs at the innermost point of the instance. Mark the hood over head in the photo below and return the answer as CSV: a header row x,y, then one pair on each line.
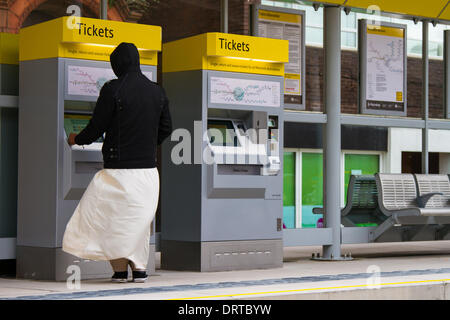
x,y
124,58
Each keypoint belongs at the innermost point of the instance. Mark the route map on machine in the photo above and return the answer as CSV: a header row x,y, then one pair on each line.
x,y
245,92
385,68
87,81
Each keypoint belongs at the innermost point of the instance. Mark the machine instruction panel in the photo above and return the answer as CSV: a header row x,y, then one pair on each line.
x,y
245,92
88,81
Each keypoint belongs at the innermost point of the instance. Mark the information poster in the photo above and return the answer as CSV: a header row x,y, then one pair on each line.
x,y
244,92
384,70
87,81
286,26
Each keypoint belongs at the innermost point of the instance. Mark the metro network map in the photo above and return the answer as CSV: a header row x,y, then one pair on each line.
x,y
385,68
245,92
87,81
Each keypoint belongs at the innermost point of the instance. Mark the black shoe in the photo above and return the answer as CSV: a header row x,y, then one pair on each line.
x,y
120,277
139,276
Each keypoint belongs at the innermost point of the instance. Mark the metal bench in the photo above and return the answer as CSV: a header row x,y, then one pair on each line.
x,y
435,191
362,203
409,200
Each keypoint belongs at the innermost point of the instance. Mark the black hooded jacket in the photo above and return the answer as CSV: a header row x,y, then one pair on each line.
x,y
134,113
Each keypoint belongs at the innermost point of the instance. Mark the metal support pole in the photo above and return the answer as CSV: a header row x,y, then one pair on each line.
x,y
425,104
224,16
447,73
104,9
332,130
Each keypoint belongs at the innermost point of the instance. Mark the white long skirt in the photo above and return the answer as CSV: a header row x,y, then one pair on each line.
x,y
114,215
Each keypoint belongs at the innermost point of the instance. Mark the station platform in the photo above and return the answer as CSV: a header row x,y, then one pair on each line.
x,y
408,270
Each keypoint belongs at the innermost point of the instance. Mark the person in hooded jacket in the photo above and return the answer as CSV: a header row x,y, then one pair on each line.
x,y
112,220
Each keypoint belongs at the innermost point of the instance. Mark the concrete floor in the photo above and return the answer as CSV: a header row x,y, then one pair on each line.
x,y
409,270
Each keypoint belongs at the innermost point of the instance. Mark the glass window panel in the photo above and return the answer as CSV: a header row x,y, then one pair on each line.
x,y
348,39
414,31
314,35
415,46
289,190
312,188
313,18
358,164
434,49
348,21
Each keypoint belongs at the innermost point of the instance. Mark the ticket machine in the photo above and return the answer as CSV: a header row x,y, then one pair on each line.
x,y
222,178
63,65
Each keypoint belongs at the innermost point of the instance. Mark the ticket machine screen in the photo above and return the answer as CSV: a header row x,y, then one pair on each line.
x,y
224,135
75,123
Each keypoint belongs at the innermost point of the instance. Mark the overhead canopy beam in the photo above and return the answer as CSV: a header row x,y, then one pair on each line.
x,y
431,9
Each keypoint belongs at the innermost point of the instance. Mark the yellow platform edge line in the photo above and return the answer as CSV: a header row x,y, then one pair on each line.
x,y
312,289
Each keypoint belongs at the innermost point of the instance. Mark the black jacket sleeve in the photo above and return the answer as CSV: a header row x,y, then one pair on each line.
x,y
165,121
101,118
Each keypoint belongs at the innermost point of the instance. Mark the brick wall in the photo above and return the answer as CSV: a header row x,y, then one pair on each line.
x,y
239,12
15,13
184,18
436,88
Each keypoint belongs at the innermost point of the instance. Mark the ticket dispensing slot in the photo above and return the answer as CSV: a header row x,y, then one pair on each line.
x,y
80,162
244,155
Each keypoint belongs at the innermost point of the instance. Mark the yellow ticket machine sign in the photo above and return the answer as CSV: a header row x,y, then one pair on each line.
x,y
63,65
226,52
88,39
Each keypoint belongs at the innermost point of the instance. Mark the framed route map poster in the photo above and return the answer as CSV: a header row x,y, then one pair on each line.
x,y
382,67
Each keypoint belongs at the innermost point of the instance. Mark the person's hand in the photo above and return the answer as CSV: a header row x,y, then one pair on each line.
x,y
71,139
